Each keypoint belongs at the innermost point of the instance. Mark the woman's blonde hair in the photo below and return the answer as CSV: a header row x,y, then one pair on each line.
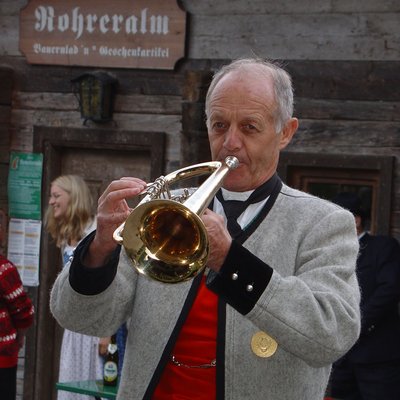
x,y
71,227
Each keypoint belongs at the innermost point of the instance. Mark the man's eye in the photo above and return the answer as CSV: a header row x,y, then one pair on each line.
x,y
218,126
250,128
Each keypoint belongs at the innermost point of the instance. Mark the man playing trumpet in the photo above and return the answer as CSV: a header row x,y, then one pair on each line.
x,y
278,301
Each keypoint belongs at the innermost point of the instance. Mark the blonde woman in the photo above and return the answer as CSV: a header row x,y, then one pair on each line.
x,y
69,218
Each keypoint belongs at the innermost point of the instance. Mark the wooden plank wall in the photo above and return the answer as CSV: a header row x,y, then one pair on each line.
x,y
307,29
352,108
42,96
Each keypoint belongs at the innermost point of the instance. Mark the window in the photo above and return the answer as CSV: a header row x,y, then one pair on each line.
x,y
326,175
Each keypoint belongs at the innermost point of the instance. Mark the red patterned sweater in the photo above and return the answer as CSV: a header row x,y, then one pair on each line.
x,y
16,312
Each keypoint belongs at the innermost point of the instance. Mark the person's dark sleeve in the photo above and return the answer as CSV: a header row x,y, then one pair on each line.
x,y
241,280
91,281
385,262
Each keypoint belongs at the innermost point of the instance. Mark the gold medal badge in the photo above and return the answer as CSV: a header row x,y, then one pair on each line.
x,y
263,345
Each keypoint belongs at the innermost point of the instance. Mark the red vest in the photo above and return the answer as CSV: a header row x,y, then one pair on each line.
x,y
196,345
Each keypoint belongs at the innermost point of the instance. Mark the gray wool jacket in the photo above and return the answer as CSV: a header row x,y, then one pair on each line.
x,y
310,306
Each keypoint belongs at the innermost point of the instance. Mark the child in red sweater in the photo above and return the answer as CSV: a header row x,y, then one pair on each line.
x,y
16,315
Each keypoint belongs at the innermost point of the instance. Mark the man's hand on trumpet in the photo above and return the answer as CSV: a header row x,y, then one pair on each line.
x,y
112,211
219,239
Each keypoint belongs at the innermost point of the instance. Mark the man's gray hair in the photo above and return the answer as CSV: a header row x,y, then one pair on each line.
x,y
282,86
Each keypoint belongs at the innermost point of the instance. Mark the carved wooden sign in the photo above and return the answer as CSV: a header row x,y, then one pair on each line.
x,y
103,33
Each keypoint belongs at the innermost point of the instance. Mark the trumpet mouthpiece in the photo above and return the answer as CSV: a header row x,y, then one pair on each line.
x,y
232,162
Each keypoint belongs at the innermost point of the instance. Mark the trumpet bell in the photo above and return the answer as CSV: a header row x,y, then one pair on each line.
x,y
166,241
165,238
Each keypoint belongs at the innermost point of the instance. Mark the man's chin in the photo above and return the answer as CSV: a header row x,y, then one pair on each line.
x,y
238,184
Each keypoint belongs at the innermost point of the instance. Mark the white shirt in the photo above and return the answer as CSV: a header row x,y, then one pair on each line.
x,y
248,215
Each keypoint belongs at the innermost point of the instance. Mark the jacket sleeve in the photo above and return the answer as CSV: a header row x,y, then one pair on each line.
x,y
91,281
242,279
312,312
378,303
93,301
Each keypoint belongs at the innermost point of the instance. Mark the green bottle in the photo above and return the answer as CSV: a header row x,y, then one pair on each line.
x,y
110,375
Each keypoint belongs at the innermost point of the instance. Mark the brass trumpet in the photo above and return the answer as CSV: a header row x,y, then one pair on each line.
x,y
164,235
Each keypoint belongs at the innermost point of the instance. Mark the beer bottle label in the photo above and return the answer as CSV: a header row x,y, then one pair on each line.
x,y
110,371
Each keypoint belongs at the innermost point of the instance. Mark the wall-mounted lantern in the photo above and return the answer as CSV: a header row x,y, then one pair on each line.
x,y
95,92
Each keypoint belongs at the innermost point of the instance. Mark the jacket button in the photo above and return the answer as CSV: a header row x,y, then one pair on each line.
x,y
249,288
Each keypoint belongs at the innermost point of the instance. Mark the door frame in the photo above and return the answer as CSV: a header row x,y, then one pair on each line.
x,y
296,169
43,341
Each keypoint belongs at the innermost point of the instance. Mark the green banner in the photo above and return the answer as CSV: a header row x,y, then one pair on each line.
x,y
25,185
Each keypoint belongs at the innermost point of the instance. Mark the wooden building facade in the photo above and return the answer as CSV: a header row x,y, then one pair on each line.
x,y
343,55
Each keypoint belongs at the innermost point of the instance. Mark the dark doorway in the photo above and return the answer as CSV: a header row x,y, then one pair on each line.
x,y
99,156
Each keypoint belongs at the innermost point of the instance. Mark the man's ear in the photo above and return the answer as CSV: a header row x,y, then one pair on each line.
x,y
288,132
359,224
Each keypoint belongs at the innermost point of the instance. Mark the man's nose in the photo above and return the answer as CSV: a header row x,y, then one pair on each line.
x,y
233,140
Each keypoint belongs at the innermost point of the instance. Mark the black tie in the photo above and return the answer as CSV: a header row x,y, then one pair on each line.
x,y
234,208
